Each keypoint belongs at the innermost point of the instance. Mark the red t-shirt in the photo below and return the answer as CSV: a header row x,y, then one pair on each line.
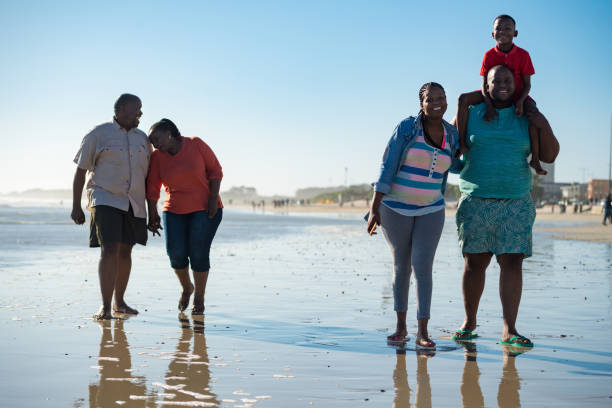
x,y
185,176
518,60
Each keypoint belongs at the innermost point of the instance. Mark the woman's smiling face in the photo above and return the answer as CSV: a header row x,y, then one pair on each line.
x,y
434,102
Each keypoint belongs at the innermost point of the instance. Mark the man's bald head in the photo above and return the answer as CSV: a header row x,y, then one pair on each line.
x,y
500,83
497,68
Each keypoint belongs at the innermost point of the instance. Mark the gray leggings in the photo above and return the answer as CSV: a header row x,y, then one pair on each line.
x,y
413,241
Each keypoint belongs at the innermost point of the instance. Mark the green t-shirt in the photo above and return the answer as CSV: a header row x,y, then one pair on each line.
x,y
496,164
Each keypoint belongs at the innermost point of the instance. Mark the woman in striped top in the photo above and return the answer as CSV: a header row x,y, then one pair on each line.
x,y
409,203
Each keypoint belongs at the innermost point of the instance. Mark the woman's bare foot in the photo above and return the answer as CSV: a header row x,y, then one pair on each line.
x,y
124,308
103,314
184,299
424,342
198,306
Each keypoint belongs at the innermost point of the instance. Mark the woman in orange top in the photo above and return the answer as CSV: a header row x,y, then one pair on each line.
x,y
192,212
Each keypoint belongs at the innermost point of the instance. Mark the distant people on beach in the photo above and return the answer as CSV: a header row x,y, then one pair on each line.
x,y
496,213
607,209
115,155
191,175
408,203
518,60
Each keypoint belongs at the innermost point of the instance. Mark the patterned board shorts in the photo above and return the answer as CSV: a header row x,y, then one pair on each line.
x,y
495,226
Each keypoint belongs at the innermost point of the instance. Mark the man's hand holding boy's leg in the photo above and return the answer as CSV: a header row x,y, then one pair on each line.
x,y
518,110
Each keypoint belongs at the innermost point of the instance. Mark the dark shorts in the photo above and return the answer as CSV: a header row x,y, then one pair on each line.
x,y
110,225
188,238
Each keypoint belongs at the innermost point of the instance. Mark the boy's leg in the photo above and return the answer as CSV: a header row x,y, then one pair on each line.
x,y
465,100
534,138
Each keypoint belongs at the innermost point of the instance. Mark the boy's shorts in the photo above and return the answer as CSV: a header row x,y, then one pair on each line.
x,y
109,225
495,226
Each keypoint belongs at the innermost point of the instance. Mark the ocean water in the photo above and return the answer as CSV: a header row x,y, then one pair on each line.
x,y
297,311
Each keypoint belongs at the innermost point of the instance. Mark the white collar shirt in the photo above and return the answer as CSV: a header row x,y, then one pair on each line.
x,y
117,161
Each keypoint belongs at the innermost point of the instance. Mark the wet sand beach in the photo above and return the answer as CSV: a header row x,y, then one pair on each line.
x,y
297,312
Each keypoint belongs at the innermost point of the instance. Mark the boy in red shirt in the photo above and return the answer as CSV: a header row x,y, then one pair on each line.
x,y
518,60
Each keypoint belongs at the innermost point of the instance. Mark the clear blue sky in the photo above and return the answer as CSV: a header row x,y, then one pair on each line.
x,y
287,93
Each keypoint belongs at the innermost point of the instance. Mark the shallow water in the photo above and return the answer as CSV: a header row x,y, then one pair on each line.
x,y
297,311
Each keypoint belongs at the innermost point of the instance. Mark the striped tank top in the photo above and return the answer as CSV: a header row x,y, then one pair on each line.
x,y
417,187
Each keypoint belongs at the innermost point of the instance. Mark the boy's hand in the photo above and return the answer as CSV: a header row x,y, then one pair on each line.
x,y
491,113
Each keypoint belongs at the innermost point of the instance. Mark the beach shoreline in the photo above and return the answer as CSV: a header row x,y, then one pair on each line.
x,y
586,226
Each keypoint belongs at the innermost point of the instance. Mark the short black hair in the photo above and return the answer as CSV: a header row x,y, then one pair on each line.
x,y
505,17
166,125
124,99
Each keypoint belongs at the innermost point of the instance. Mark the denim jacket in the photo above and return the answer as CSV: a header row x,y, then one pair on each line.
x,y
402,139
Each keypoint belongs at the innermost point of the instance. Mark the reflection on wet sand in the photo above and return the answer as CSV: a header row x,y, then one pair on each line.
x,y
116,382
471,394
509,384
188,375
186,381
400,381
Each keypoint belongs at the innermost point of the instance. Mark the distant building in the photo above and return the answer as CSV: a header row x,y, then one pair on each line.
x,y
597,189
550,189
550,177
574,191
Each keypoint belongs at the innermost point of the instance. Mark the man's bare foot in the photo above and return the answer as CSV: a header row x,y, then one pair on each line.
x,y
103,314
124,308
184,299
537,167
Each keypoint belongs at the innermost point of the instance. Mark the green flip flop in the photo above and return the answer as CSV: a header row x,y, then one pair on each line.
x,y
465,335
514,342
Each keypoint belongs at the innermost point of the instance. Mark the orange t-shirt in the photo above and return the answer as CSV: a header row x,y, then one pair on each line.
x,y
185,176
